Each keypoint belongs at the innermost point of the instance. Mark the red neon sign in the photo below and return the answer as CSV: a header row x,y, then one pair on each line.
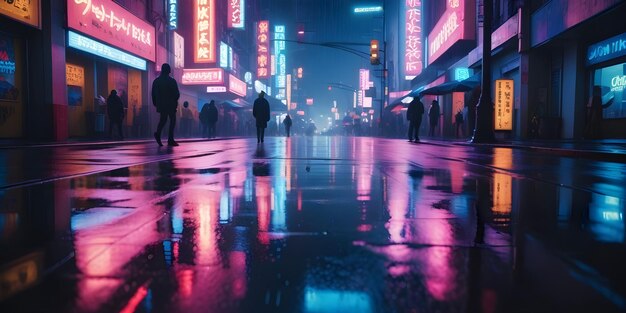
x,y
109,22
206,76
456,23
237,86
413,58
236,13
263,51
204,31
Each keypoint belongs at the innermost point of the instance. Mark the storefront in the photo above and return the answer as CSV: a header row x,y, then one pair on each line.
x,y
20,21
606,65
107,48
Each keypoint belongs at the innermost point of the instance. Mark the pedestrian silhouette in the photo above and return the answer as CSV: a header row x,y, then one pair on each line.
x,y
115,110
165,96
261,112
458,121
433,115
212,117
414,115
186,120
287,122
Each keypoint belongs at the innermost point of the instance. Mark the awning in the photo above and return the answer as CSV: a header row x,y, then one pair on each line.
x,y
453,86
402,102
236,104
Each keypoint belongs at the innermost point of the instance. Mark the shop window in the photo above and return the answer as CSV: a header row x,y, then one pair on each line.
x,y
612,82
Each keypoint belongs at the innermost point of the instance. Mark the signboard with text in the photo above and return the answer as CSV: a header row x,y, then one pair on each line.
x,y
457,23
263,49
172,14
23,11
204,31
206,76
111,23
612,83
237,86
504,104
236,14
413,58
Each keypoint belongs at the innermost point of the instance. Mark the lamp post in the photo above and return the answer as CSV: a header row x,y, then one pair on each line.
x,y
483,131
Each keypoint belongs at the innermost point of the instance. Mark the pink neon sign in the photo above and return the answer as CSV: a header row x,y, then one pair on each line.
x,y
205,76
109,22
457,23
237,86
364,79
413,58
204,31
236,13
263,51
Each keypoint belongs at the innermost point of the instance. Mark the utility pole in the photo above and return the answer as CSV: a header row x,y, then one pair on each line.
x,y
383,97
483,131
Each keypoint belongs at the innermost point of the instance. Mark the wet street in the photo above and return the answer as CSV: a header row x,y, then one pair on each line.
x,y
309,224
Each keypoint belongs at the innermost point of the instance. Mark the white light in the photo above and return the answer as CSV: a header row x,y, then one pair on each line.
x,y
368,9
91,46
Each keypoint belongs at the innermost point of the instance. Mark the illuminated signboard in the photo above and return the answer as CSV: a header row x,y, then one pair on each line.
x,y
612,82
205,76
109,22
237,86
364,79
288,90
413,55
461,73
504,104
300,72
457,23
23,11
263,49
301,113
367,102
179,51
236,13
611,48
204,31
172,12
89,45
215,89
368,9
281,65
223,55
75,80
309,101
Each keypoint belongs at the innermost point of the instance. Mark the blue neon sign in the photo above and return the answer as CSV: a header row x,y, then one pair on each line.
x,y
173,13
89,45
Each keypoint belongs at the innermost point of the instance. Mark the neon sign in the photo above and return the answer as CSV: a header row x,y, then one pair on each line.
x,y
413,58
608,49
204,76
23,11
368,9
109,22
215,89
223,55
281,65
454,25
364,79
236,86
236,14
263,55
504,104
173,13
204,31
179,51
89,45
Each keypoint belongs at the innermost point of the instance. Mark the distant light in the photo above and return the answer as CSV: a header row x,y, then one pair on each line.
x,y
368,9
300,32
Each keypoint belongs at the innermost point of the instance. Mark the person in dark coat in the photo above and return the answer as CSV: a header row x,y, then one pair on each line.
x,y
414,115
261,112
212,117
204,120
115,109
165,96
287,122
433,115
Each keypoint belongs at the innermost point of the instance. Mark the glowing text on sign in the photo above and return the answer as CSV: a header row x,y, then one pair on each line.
x,y
236,86
236,13
109,22
89,45
504,104
454,25
413,58
203,76
204,31
279,48
262,47
173,13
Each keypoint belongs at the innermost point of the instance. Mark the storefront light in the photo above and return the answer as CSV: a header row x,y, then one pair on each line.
x,y
89,45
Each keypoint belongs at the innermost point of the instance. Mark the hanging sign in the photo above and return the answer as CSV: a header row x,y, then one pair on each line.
x,y
204,31
504,104
23,11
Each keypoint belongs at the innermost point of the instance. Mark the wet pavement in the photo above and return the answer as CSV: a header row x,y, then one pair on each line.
x,y
322,224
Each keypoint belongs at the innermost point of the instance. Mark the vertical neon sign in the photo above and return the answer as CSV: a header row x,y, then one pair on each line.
x,y
173,13
413,59
281,60
236,14
262,48
204,31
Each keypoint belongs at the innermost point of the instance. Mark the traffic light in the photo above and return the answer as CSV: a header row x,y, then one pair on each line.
x,y
374,59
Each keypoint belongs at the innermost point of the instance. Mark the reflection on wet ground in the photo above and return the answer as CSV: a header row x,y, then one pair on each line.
x,y
315,225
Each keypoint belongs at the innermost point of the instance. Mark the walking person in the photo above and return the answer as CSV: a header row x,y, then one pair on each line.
x,y
204,120
261,112
287,122
414,115
433,115
115,110
458,121
212,117
165,96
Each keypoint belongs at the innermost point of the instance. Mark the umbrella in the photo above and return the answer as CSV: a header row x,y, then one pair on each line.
x,y
450,87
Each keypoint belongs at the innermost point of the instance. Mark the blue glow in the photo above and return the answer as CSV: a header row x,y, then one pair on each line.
x,y
322,301
606,214
368,9
173,13
224,208
461,73
97,216
177,220
89,45
223,55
